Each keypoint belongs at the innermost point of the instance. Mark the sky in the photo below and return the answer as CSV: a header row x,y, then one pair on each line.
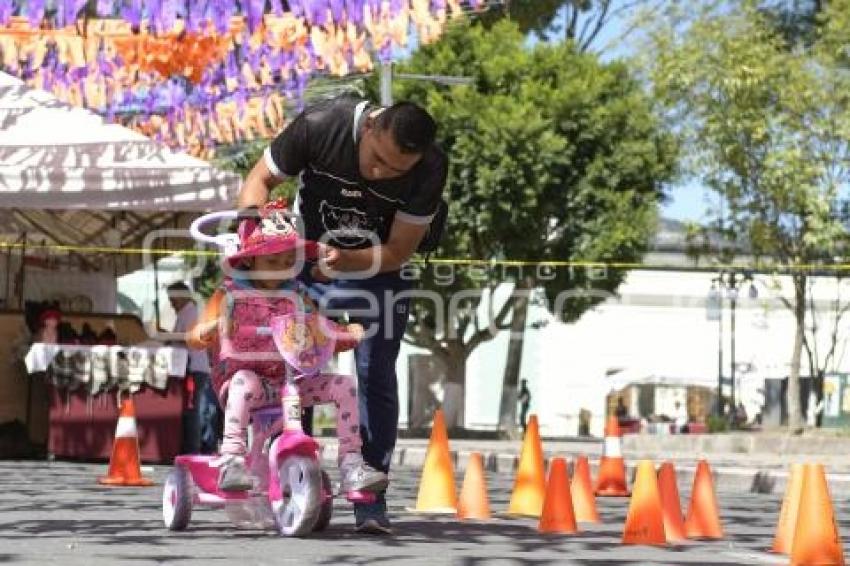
x,y
688,200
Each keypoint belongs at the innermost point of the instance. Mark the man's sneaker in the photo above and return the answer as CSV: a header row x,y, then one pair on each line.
x,y
233,475
357,475
371,518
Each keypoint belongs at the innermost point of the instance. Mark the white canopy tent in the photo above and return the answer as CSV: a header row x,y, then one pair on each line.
x,y
54,156
69,178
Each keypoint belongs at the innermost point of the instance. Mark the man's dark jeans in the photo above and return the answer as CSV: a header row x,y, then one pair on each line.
x,y
202,424
376,356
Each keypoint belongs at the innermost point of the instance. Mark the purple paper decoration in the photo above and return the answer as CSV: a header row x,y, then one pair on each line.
x,y
6,8
354,11
35,12
195,15
277,8
220,82
337,8
297,7
132,12
254,13
67,11
222,11
155,15
104,8
316,12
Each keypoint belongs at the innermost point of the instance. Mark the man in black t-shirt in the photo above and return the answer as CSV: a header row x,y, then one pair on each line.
x,y
371,182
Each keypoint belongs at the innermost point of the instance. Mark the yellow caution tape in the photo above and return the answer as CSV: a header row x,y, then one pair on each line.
x,y
451,261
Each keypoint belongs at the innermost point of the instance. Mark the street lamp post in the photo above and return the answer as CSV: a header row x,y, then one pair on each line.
x,y
730,281
714,305
733,301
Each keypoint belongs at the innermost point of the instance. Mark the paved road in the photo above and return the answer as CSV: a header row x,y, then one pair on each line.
x,y
56,513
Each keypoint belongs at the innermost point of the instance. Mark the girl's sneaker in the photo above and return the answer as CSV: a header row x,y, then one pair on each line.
x,y
233,474
357,475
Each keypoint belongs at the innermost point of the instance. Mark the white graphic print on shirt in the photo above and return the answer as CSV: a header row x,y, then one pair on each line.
x,y
348,226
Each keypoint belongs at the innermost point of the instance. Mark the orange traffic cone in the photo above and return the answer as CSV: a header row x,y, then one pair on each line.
x,y
584,502
816,538
124,464
473,502
611,481
645,520
437,492
530,483
788,514
703,516
558,515
674,523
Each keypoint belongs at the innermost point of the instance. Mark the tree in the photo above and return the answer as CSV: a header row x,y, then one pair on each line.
x,y
798,21
767,129
820,361
579,21
554,156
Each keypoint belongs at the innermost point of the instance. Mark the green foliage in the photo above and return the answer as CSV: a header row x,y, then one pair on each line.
x,y
553,155
768,129
835,37
797,21
765,127
529,15
717,424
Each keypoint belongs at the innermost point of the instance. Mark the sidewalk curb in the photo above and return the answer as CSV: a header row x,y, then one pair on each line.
x,y
757,479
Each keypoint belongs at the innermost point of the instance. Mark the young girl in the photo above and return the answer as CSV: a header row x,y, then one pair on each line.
x,y
261,286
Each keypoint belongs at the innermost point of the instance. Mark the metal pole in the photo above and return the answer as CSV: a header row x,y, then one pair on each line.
x,y
23,272
720,355
386,83
156,295
732,391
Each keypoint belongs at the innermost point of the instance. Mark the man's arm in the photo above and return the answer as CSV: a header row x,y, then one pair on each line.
x,y
391,256
255,191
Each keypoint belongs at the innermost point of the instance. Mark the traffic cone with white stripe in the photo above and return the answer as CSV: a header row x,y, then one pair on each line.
x,y
611,481
124,465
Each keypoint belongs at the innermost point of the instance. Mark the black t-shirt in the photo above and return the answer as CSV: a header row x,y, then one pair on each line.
x,y
321,145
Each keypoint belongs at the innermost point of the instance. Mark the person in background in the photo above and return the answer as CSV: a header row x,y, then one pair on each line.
x,y
622,413
524,403
680,418
202,418
741,416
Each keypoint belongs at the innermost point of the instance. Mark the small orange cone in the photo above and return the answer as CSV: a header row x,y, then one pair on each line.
x,y
816,538
645,520
124,464
674,523
611,481
437,492
558,515
788,515
703,516
473,502
584,502
530,483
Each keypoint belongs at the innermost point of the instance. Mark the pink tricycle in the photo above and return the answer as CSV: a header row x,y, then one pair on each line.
x,y
290,489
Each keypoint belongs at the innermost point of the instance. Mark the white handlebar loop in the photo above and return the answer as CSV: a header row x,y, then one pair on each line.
x,y
229,243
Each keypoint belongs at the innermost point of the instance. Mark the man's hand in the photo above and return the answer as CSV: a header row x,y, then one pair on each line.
x,y
390,256
325,264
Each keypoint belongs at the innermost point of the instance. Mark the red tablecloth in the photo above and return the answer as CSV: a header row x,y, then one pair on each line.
x,y
83,428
